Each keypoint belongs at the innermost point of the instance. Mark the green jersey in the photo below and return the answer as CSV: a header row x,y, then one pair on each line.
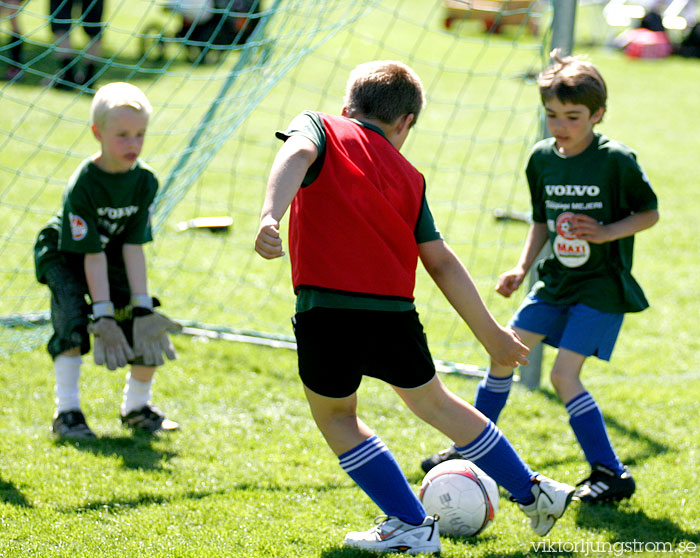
x,y
606,183
309,125
101,212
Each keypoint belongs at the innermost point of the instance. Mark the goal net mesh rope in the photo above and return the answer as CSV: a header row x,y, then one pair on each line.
x,y
218,98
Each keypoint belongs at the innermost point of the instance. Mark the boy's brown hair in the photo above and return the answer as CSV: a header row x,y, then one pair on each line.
x,y
572,79
384,90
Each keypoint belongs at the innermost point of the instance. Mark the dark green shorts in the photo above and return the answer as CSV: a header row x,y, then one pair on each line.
x,y
70,309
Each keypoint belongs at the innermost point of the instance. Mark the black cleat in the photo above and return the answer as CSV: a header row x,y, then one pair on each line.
x,y
72,425
441,456
603,485
150,420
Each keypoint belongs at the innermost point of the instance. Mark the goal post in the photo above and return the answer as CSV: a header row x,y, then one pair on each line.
x,y
563,26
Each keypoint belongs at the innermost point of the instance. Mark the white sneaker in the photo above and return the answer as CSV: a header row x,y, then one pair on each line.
x,y
551,500
390,534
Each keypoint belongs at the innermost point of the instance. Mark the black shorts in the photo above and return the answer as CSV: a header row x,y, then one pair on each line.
x,y
90,18
70,309
336,347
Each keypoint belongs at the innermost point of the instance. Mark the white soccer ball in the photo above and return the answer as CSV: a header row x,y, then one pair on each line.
x,y
465,498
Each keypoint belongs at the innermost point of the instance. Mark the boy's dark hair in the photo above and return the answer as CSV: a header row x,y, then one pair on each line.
x,y
384,90
573,80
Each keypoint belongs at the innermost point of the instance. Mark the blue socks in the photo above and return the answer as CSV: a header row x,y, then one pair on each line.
x,y
492,452
586,419
372,466
492,394
588,425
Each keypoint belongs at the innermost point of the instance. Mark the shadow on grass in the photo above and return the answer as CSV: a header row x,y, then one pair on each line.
x,y
628,526
136,452
118,505
652,448
344,552
10,494
472,545
41,65
291,488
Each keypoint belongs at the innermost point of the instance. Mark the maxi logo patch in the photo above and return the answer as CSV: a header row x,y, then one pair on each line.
x,y
569,250
78,227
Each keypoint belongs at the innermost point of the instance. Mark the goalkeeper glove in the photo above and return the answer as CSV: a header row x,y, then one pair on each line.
x,y
110,347
151,329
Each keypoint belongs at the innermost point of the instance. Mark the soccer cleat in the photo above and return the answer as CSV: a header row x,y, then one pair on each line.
x,y
149,419
603,485
390,534
440,457
551,500
72,425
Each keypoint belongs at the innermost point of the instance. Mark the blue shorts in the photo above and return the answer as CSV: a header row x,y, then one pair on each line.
x,y
578,328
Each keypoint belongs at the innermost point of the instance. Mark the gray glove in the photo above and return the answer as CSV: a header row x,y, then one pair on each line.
x,y
151,337
110,347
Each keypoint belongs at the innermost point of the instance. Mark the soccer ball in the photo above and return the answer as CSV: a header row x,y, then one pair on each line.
x,y
465,498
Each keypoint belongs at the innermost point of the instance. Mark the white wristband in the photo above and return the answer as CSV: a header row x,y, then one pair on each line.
x,y
142,301
102,309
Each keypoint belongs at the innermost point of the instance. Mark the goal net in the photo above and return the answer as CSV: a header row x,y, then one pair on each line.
x,y
222,78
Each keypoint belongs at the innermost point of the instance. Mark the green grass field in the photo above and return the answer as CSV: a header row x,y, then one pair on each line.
x,y
249,476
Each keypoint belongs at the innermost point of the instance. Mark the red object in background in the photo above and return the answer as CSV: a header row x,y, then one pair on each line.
x,y
644,43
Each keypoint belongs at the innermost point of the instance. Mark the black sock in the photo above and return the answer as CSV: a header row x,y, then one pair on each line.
x,y
90,70
66,74
16,52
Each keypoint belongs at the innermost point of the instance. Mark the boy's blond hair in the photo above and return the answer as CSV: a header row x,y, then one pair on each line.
x,y
117,95
572,79
384,90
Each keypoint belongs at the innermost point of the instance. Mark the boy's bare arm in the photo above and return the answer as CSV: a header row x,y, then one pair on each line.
x,y
150,328
288,170
135,265
96,275
587,228
536,238
509,281
454,281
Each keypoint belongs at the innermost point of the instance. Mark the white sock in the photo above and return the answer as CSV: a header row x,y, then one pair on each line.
x,y
67,370
136,394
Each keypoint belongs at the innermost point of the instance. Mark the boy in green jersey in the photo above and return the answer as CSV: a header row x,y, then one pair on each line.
x,y
589,198
94,249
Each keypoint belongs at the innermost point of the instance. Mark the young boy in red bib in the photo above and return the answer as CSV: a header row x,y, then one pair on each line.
x,y
359,223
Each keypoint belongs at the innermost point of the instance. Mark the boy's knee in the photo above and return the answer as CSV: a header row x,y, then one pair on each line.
x,y
562,378
142,373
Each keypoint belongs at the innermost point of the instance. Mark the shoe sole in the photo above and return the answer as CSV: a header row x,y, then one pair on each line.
x,y
73,436
397,550
605,499
569,498
142,430
424,551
